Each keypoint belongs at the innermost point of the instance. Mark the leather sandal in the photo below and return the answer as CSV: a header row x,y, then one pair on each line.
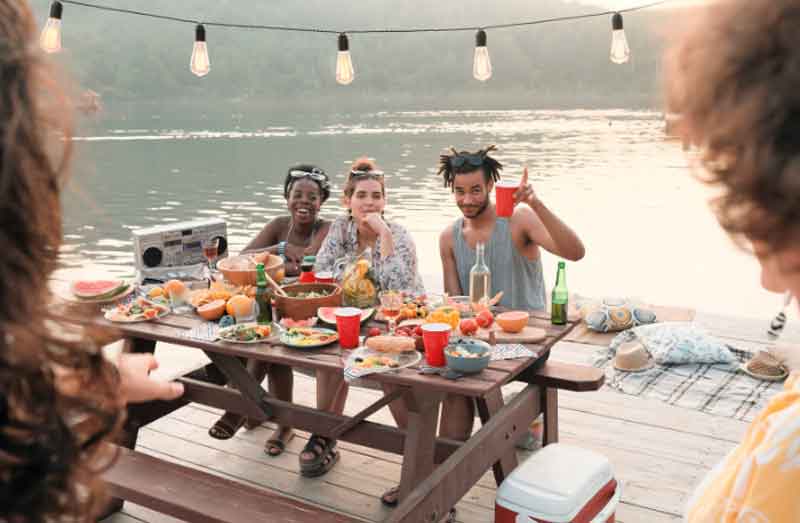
x,y
325,456
275,446
226,426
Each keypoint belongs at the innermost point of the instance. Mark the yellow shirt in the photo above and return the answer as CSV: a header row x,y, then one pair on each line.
x,y
759,481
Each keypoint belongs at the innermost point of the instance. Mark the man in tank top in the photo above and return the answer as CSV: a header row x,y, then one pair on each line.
x,y
513,249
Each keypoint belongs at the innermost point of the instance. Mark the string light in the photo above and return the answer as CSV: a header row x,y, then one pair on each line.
x,y
481,64
620,52
50,40
344,64
200,64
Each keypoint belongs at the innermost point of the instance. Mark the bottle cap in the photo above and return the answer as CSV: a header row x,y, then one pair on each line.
x,y
562,264
309,259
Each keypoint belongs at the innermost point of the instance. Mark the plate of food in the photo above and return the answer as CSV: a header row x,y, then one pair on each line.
x,y
245,333
136,310
365,359
308,337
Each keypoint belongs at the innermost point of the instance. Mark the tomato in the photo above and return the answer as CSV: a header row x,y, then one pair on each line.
x,y
468,327
373,331
150,313
485,319
418,330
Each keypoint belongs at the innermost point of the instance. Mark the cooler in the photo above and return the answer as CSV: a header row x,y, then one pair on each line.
x,y
559,484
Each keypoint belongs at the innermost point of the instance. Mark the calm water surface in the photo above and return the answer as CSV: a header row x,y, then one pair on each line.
x,y
609,174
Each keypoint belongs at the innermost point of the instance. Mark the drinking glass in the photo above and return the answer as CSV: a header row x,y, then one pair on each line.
x,y
391,303
210,252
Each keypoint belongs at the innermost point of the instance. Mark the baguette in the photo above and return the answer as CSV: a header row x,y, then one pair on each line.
x,y
391,344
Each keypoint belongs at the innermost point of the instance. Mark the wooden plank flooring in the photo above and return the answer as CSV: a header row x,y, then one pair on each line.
x,y
659,452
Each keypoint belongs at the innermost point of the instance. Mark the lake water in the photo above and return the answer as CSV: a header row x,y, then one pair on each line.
x,y
608,173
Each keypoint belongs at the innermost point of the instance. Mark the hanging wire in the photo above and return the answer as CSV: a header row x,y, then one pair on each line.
x,y
207,23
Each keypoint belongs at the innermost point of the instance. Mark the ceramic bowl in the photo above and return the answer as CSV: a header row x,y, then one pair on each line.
x,y
467,364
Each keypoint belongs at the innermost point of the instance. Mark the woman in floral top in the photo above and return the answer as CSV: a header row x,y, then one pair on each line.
x,y
393,253
393,256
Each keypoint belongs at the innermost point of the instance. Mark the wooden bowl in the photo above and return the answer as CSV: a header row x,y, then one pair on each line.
x,y
273,266
304,308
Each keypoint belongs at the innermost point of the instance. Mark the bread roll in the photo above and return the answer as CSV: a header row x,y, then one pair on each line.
x,y
393,344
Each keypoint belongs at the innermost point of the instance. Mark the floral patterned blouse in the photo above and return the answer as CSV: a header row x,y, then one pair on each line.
x,y
398,271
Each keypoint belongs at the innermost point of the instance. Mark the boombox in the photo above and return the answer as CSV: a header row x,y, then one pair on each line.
x,y
177,244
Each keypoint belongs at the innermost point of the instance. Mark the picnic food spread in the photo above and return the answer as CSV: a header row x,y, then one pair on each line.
x,y
308,337
245,333
139,309
376,361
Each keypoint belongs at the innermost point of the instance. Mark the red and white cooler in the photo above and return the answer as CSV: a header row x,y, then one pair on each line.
x,y
559,484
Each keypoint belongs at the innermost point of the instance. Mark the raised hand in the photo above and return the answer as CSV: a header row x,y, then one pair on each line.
x,y
525,193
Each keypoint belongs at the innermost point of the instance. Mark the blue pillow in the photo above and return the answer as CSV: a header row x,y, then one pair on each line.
x,y
614,314
677,343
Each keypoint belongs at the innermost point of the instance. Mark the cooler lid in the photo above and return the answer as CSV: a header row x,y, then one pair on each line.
x,y
556,482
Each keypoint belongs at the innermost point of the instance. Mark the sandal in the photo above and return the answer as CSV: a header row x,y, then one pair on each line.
x,y
224,428
324,456
276,445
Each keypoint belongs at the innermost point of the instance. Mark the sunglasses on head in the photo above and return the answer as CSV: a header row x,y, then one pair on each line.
x,y
315,174
366,174
459,160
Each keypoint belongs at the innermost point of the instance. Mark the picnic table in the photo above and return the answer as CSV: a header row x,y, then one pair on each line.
x,y
427,491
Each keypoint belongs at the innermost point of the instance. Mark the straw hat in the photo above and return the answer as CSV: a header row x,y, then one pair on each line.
x,y
765,366
632,356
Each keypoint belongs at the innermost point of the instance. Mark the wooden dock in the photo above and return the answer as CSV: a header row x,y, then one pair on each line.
x,y
659,452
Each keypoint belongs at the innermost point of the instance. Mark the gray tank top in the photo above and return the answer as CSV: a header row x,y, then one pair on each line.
x,y
520,279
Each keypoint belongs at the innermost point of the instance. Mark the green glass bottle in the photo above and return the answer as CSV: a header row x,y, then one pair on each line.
x,y
263,296
559,303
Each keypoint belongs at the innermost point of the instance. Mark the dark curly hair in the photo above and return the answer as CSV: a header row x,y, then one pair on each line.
x,y
59,397
489,166
734,79
324,186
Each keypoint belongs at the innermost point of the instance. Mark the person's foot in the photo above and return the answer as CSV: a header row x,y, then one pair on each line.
x,y
226,426
277,443
318,456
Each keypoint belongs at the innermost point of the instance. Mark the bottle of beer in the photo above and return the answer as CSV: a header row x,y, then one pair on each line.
x,y
263,296
560,298
480,277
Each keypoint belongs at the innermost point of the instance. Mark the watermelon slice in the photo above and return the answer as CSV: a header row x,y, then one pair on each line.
x,y
98,289
326,314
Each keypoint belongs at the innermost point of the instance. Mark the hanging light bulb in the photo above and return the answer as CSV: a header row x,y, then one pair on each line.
x,y
50,40
481,65
344,64
620,52
200,64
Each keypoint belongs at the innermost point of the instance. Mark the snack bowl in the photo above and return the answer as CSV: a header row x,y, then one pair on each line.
x,y
467,355
241,270
512,321
303,308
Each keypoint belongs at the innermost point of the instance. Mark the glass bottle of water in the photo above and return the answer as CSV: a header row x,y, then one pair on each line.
x,y
480,277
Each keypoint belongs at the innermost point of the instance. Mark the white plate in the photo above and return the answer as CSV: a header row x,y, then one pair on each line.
x,y
249,342
404,359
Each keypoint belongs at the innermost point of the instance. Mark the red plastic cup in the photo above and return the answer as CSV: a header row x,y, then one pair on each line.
x,y
504,198
325,277
348,325
435,337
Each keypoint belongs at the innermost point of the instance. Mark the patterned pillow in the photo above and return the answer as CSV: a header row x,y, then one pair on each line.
x,y
677,343
614,314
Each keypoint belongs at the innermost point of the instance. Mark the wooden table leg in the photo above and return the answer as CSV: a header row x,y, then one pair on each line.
x,y
550,410
418,453
487,407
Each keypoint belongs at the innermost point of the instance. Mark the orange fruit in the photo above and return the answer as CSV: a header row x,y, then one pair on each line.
x,y
175,287
212,311
239,305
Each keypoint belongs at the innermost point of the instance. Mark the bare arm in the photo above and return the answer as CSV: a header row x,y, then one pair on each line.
x,y
544,228
449,269
267,240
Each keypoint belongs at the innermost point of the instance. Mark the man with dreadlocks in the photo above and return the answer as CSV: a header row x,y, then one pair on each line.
x,y
513,254
513,245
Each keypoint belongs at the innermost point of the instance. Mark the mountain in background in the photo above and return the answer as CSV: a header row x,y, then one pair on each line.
x,y
130,59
